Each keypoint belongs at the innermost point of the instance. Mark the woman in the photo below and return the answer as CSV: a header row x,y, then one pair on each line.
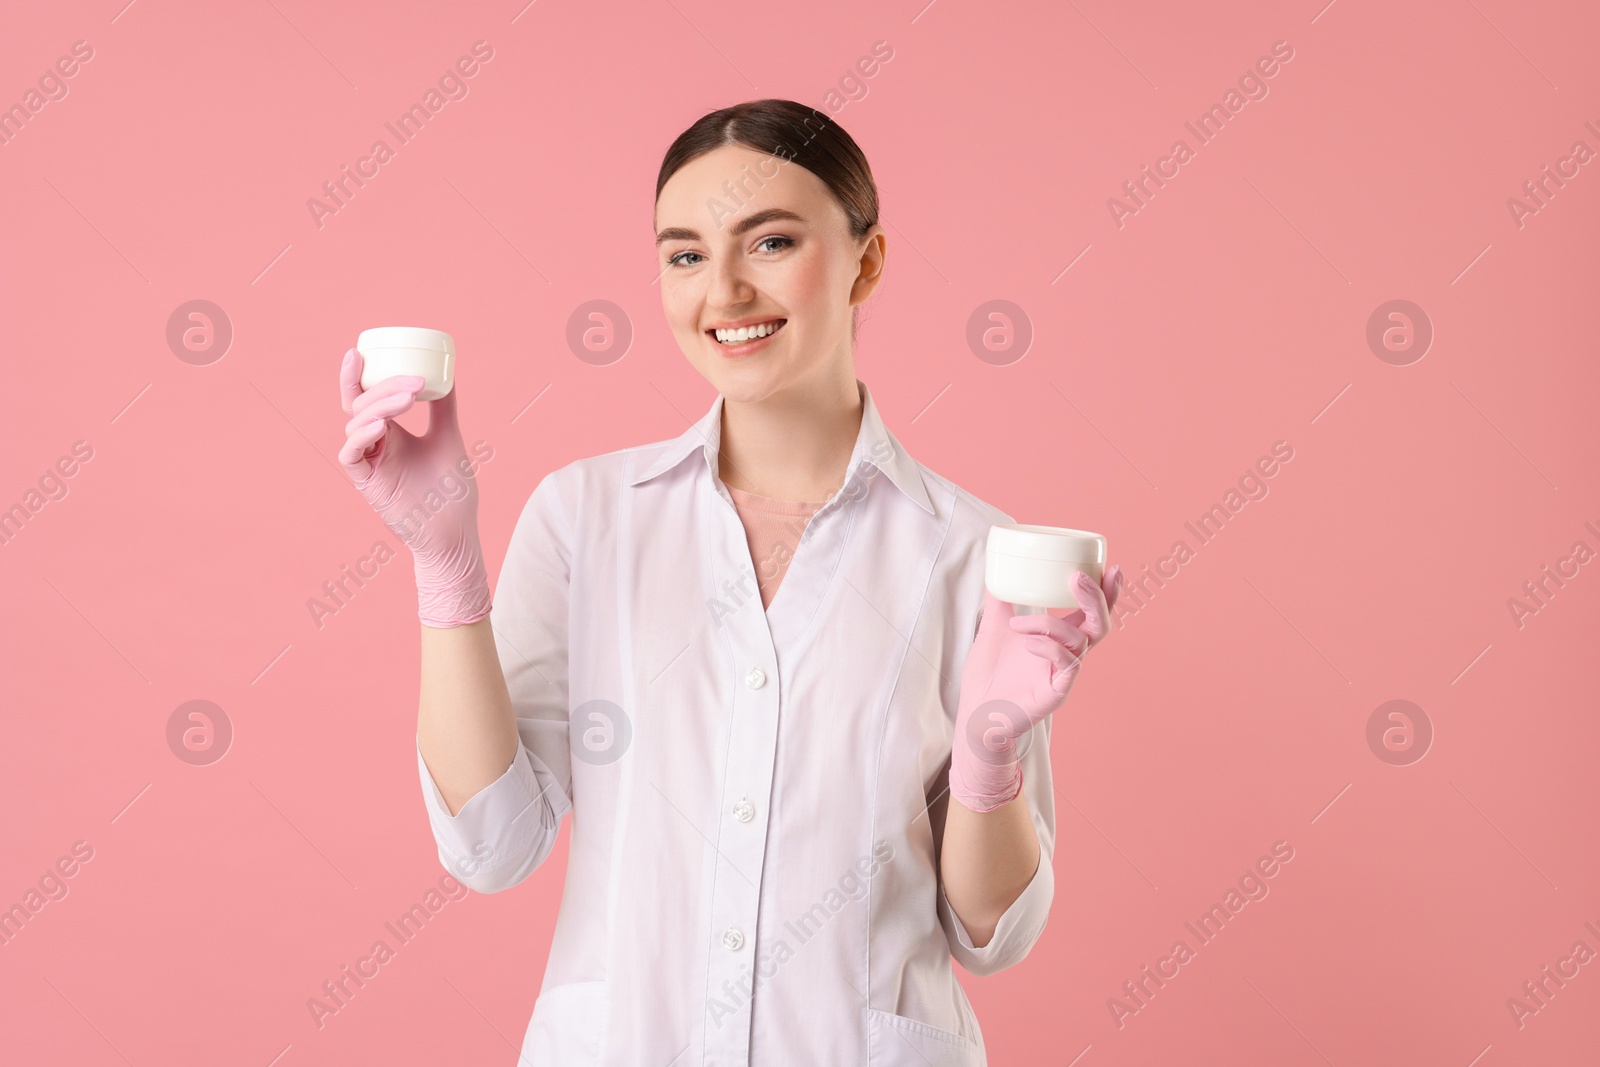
x,y
748,660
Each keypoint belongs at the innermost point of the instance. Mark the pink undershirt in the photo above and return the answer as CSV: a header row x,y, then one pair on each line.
x,y
773,529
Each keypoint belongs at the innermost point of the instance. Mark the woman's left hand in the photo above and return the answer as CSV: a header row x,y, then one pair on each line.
x,y
1019,670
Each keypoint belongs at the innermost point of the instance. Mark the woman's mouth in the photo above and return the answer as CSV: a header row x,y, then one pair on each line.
x,y
746,340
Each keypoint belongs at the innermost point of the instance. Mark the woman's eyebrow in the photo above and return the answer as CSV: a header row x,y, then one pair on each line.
x,y
743,226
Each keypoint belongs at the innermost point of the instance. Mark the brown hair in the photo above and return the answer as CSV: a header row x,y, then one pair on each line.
x,y
795,133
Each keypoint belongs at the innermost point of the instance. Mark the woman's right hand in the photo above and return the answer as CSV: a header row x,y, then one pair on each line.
x,y
422,487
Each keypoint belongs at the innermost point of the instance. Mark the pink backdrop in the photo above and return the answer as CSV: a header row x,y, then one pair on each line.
x,y
1174,343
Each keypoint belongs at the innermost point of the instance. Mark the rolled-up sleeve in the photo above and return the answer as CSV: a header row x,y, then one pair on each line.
x,y
505,830
1023,922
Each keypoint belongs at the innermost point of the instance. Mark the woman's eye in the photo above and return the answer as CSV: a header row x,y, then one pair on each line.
x,y
681,259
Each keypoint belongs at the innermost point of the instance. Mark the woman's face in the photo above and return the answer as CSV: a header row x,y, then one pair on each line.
x,y
745,238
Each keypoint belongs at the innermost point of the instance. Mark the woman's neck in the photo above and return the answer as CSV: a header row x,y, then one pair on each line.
x,y
794,445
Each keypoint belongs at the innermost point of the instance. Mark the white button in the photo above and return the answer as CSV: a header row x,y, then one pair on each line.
x,y
756,678
744,811
732,939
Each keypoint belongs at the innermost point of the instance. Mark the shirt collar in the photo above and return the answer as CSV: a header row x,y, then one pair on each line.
x,y
875,448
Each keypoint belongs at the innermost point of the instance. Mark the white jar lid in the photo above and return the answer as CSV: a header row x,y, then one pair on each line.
x,y
1047,542
405,337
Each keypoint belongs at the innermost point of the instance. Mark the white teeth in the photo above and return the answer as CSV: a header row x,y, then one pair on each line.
x,y
747,333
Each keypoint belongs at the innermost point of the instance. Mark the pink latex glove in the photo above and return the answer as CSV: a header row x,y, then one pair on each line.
x,y
422,487
1020,669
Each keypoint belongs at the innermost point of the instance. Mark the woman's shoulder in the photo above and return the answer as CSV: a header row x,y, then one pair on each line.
x,y
590,482
579,499
968,512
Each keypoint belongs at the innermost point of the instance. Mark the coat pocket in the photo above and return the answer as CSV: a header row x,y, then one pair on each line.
x,y
896,1041
567,1027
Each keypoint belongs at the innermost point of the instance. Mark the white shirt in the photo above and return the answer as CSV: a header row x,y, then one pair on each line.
x,y
752,875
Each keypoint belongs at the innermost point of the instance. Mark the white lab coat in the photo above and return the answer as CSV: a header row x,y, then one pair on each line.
x,y
752,874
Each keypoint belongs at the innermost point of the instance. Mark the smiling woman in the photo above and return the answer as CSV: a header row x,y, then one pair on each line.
x,y
728,763
768,242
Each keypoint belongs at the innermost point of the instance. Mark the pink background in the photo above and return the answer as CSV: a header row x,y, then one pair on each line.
x,y
1229,313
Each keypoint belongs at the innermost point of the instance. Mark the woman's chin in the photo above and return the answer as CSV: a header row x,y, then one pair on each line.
x,y
745,381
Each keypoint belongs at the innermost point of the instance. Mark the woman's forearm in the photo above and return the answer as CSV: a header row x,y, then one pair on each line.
x,y
466,730
986,860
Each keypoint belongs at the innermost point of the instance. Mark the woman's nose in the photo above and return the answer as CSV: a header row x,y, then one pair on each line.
x,y
729,284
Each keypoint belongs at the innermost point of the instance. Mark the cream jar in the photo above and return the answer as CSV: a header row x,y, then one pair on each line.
x,y
1032,567
391,351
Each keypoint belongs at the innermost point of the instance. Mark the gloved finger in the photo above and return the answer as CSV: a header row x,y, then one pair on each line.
x,y
1057,630
1108,585
442,416
404,383
386,396
350,380
1111,584
1060,658
387,406
372,425
1096,612
354,453
995,612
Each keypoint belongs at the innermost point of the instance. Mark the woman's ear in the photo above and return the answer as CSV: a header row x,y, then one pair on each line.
x,y
869,271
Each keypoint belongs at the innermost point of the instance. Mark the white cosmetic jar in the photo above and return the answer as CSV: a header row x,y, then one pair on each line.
x,y
1032,567
391,351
